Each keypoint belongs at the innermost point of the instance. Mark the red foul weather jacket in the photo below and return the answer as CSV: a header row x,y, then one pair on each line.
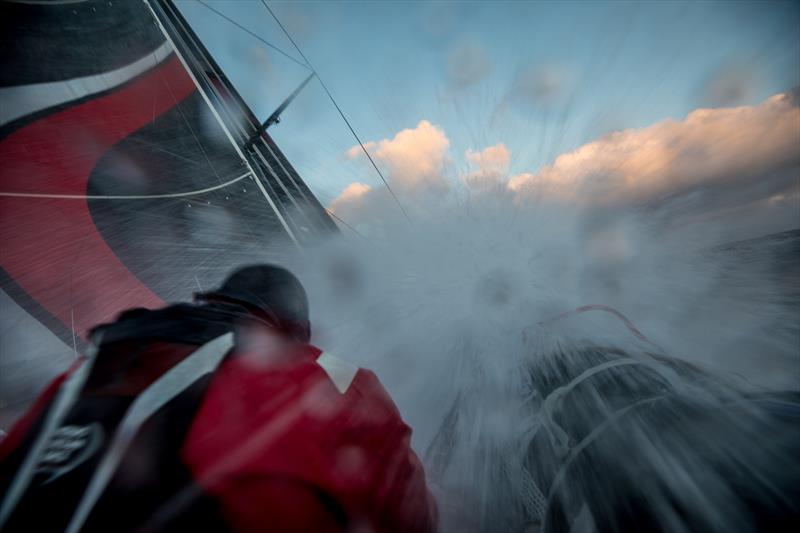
x,y
148,442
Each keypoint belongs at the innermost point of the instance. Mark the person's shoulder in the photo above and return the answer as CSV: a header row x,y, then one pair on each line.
x,y
361,386
341,372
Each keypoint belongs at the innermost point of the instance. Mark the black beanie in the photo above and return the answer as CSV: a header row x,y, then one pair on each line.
x,y
269,292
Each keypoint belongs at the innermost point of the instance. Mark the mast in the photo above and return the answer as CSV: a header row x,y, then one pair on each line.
x,y
275,117
294,201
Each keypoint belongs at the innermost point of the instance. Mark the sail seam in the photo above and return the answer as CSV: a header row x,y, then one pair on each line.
x,y
125,197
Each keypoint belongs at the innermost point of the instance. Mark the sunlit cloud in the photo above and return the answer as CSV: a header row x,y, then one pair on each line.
x,y
353,194
414,162
488,167
353,191
720,156
710,165
415,158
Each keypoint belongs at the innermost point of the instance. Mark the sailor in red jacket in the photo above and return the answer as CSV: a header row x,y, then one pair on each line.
x,y
218,416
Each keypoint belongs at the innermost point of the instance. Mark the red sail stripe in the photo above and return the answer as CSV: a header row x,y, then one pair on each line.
x,y
51,247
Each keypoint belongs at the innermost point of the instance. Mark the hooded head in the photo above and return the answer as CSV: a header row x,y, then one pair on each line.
x,y
270,293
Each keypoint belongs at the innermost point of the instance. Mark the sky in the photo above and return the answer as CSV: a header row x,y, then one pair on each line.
x,y
617,103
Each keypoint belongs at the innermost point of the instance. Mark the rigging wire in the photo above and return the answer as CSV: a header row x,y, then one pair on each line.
x,y
223,15
339,109
351,228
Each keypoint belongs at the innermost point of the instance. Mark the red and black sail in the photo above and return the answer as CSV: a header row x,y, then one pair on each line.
x,y
126,178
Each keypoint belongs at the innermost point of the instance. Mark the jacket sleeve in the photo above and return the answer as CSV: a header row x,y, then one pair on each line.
x,y
402,501
405,503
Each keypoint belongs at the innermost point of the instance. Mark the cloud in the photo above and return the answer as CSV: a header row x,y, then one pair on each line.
x,y
489,167
362,205
467,65
735,167
414,162
713,159
415,158
353,195
495,158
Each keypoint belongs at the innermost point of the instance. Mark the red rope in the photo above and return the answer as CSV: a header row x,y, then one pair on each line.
x,y
593,307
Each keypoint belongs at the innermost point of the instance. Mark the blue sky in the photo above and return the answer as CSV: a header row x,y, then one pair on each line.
x,y
542,78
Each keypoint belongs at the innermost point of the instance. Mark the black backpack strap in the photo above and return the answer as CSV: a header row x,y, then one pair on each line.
x,y
201,362
64,400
